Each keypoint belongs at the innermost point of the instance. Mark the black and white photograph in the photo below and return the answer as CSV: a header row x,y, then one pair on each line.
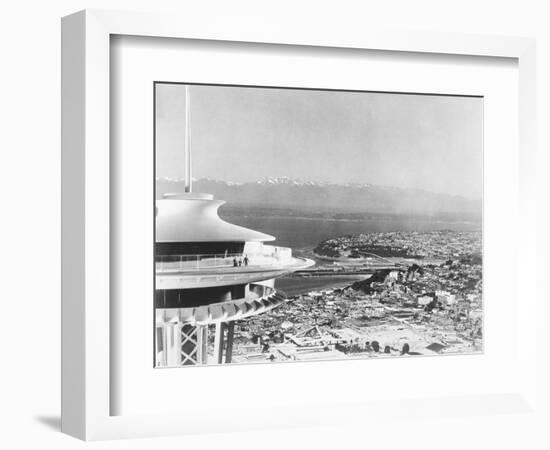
x,y
302,224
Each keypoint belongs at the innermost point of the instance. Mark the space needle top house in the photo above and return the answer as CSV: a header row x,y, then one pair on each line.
x,y
208,272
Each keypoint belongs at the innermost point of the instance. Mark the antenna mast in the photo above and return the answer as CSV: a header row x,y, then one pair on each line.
x,y
188,179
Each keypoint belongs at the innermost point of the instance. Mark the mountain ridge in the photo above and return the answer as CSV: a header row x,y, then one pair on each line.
x,y
325,196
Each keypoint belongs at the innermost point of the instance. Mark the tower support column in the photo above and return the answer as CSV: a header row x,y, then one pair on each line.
x,y
202,344
218,342
229,345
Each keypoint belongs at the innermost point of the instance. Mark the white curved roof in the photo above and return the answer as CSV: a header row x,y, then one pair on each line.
x,y
194,217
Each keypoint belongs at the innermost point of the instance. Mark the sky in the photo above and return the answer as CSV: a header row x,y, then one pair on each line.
x,y
243,134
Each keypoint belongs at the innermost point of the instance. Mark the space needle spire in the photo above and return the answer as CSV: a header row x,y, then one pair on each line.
x,y
188,174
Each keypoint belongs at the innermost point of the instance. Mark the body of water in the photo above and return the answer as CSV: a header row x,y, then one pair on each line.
x,y
303,234
292,285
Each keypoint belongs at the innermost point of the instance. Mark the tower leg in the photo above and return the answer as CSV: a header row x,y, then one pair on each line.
x,y
202,344
229,345
165,346
218,342
181,345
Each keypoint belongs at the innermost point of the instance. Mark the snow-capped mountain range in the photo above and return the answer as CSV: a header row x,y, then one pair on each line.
x,y
284,192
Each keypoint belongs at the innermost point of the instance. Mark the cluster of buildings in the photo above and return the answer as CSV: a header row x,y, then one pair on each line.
x,y
415,245
419,309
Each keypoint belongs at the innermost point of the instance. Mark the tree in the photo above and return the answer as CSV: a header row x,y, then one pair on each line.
x,y
387,349
375,346
405,350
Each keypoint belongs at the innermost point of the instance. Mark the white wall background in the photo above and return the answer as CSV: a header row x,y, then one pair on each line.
x,y
30,187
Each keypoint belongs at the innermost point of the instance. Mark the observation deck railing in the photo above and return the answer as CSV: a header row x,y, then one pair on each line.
x,y
269,256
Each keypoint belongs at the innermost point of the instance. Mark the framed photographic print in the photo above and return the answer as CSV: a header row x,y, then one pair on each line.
x,y
262,215
374,204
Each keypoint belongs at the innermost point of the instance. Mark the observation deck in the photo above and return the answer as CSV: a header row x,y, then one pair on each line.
x,y
201,270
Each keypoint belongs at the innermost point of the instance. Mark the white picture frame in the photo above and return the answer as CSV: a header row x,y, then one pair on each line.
x,y
87,384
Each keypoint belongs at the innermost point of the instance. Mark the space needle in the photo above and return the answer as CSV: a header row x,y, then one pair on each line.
x,y
208,274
